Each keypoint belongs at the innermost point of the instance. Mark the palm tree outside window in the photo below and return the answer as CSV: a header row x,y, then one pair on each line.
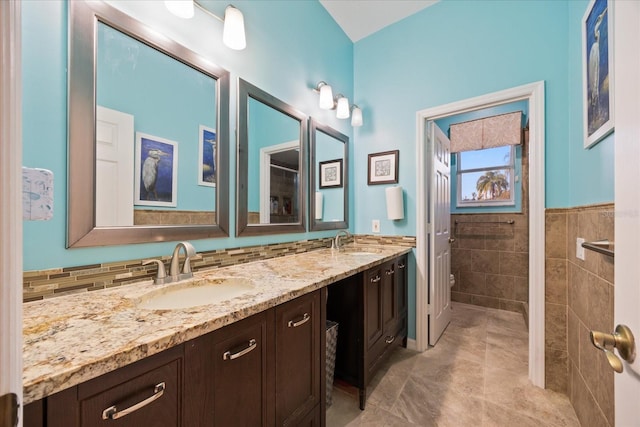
x,y
486,177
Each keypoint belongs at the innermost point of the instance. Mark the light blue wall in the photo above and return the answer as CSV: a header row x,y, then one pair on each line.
x,y
290,47
458,49
446,122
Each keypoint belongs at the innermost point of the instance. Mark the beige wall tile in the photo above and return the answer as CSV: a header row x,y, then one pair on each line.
x,y
500,286
577,286
556,280
521,291
587,410
556,369
514,264
599,303
472,282
485,301
556,326
486,262
556,232
573,337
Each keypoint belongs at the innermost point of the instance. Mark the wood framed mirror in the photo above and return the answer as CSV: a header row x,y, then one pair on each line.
x,y
272,174
146,98
328,178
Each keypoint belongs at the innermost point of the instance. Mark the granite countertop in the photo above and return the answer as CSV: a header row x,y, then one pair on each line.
x,y
72,339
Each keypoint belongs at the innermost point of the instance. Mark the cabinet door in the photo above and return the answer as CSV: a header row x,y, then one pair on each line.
x,y
147,392
389,298
227,380
298,355
373,295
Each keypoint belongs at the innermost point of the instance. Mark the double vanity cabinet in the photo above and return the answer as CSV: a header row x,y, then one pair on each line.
x,y
267,369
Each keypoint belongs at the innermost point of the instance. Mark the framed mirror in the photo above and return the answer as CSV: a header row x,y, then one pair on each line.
x,y
148,134
272,140
328,178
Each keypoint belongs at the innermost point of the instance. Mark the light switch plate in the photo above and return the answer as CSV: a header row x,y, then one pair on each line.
x,y
375,226
579,248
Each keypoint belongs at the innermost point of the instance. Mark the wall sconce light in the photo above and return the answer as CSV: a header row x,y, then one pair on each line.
x,y
326,95
233,34
395,203
356,116
181,8
342,109
340,103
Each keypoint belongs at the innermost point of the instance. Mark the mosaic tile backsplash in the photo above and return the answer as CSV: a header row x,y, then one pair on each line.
x,y
50,283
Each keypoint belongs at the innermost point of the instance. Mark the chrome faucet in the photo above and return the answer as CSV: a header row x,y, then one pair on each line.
x,y
336,240
174,270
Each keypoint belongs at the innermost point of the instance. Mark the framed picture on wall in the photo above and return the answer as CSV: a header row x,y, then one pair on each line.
x,y
207,156
156,171
330,173
597,71
383,167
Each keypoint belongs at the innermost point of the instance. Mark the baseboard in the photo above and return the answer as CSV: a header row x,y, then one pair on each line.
x,y
411,344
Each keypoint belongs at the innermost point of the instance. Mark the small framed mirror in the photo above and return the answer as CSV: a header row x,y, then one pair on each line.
x,y
272,140
148,134
328,178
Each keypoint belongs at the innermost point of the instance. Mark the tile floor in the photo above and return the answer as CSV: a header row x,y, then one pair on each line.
x,y
475,376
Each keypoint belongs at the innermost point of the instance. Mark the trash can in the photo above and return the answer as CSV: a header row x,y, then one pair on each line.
x,y
332,342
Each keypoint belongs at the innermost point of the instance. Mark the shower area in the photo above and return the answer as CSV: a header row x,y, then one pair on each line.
x,y
490,248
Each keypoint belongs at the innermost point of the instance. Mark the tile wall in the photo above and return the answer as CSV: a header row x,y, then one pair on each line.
x,y
579,298
490,260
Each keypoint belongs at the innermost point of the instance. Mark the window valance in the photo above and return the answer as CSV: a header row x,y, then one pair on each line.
x,y
494,131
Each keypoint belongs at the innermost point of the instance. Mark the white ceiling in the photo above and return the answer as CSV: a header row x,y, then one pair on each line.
x,y
361,18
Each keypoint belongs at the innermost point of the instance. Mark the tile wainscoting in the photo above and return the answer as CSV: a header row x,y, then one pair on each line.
x,y
579,298
54,282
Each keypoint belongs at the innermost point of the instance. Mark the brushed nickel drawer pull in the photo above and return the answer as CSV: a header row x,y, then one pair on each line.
x,y
112,412
389,340
390,272
401,266
230,356
305,319
375,279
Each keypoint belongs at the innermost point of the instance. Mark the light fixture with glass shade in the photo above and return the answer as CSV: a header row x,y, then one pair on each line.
x,y
233,34
343,107
356,116
180,8
326,95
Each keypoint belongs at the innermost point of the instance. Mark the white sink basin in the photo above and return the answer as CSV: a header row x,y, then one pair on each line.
x,y
194,294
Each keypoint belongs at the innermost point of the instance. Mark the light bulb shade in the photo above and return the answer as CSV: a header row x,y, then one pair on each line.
x,y
233,34
343,108
180,8
326,97
356,116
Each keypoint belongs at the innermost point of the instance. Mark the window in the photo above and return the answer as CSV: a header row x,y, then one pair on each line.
x,y
486,177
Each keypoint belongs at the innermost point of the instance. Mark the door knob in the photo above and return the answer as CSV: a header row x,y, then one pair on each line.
x,y
451,240
622,339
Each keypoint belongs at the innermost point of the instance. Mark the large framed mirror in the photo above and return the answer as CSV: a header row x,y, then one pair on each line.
x,y
272,140
328,178
148,134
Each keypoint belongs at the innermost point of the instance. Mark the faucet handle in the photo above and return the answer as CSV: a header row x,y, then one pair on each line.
x,y
162,272
186,267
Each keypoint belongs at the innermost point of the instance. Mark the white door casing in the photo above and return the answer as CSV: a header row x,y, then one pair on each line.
x,y
114,168
627,200
534,93
439,223
10,200
265,176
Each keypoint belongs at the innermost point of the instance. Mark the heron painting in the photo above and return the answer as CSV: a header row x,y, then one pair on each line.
x,y
597,71
207,170
156,171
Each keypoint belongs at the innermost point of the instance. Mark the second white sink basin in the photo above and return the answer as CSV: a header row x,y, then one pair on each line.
x,y
194,294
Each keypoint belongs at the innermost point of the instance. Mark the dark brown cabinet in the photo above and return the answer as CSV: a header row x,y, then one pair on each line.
x,y
147,392
227,375
299,351
371,309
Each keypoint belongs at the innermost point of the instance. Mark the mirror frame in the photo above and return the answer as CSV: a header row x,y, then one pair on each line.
x,y
245,91
315,225
81,184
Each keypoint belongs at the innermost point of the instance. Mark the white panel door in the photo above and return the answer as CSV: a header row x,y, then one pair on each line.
x,y
439,219
627,201
114,168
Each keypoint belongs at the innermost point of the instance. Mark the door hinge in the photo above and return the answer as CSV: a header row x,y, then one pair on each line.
x,y
9,410
429,310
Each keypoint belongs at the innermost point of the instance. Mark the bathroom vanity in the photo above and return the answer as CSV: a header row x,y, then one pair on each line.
x,y
256,359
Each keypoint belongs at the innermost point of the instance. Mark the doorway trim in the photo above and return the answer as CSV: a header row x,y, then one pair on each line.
x,y
534,93
11,200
